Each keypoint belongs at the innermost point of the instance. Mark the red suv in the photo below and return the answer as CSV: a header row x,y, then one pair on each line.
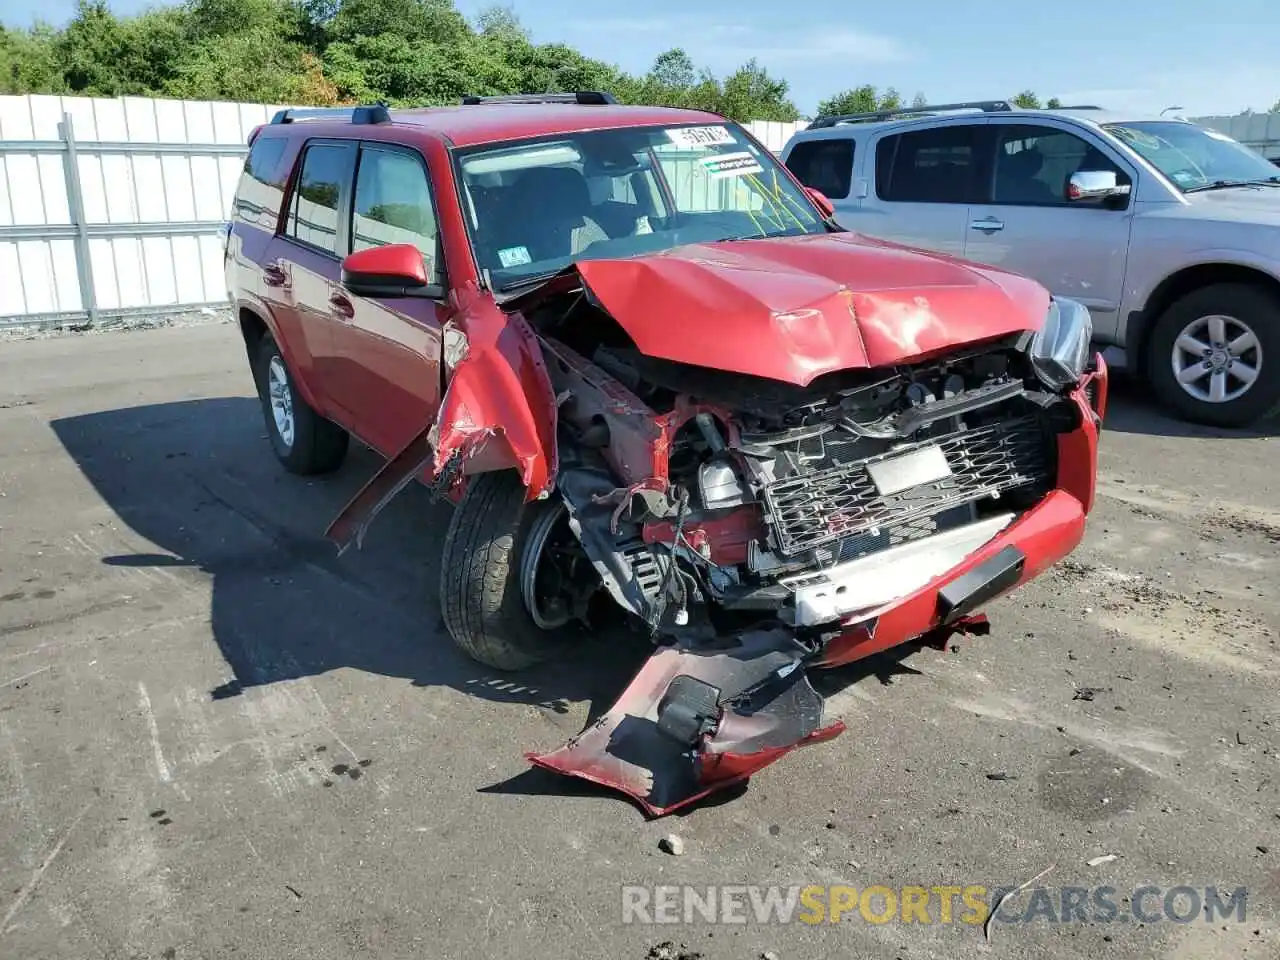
x,y
659,382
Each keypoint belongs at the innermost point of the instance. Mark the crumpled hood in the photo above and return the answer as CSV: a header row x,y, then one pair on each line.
x,y
794,308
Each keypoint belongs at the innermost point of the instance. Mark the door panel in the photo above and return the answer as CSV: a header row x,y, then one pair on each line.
x,y
308,254
1076,250
923,183
387,351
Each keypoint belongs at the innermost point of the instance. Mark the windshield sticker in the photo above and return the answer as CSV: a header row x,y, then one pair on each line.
x,y
514,257
731,165
1137,137
692,138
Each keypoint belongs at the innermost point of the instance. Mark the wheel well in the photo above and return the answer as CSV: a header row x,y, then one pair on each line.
x,y
1177,285
253,329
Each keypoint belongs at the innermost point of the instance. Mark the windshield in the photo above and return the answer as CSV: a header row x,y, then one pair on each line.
x,y
533,208
1192,156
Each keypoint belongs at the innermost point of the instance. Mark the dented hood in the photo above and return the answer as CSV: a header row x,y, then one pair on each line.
x,y
794,308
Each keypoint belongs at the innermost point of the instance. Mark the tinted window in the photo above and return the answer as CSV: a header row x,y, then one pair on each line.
x,y
825,165
928,166
1033,164
313,213
261,185
393,205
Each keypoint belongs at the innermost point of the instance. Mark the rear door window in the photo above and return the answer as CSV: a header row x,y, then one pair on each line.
x,y
323,182
825,165
939,165
261,187
393,204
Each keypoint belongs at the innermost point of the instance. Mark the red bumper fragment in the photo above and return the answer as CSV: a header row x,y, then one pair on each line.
x,y
766,708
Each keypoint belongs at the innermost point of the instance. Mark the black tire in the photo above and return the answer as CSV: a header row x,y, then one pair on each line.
x,y
1256,307
480,591
318,445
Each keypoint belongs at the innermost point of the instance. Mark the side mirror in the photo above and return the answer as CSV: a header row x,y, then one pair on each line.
x,y
821,202
395,270
1095,185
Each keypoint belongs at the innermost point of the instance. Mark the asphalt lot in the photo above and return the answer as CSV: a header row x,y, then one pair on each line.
x,y
218,740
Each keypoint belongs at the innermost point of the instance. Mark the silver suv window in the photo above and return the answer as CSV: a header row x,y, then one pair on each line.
x,y
1034,161
938,165
1192,157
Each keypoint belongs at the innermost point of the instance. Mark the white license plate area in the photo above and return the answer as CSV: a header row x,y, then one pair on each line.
x,y
926,465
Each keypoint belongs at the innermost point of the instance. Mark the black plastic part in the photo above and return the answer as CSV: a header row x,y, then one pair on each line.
x,y
984,582
984,396
689,710
586,98
360,116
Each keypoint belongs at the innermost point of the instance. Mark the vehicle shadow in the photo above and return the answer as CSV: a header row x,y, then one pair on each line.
x,y
198,480
1131,408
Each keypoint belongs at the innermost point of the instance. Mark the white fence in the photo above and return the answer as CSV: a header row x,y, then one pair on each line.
x,y
112,207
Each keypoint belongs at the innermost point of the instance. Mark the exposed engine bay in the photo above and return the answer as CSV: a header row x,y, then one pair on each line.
x,y
710,500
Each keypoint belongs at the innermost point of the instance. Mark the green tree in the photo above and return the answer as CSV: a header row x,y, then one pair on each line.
x,y
1275,107
29,61
1053,103
1027,99
863,99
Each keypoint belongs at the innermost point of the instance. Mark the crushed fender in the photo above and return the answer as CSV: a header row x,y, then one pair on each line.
x,y
697,720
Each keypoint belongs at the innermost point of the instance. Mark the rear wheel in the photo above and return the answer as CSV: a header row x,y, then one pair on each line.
x,y
514,581
1214,355
304,441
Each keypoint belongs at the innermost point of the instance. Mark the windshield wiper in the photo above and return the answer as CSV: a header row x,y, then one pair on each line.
x,y
530,281
1226,184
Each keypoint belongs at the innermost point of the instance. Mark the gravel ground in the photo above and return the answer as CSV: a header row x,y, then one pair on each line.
x,y
217,739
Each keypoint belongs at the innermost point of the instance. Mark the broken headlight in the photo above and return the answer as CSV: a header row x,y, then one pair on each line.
x,y
1060,349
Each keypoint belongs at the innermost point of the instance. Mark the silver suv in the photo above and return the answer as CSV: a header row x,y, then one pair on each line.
x,y
1169,232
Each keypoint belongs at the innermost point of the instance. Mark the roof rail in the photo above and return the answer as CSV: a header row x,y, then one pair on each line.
x,y
584,97
358,115
986,106
1078,106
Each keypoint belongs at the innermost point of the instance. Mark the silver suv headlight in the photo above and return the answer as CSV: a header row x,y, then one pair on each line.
x,y
1060,349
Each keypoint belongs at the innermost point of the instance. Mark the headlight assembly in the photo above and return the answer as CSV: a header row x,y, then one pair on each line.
x,y
1060,349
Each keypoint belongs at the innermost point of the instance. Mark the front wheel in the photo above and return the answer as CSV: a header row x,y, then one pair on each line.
x,y
1214,355
514,581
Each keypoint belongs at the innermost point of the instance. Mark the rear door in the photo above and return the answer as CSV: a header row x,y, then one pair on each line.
x,y
305,260
387,351
1024,222
921,185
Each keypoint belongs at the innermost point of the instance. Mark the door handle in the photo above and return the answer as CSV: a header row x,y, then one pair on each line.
x,y
986,224
341,306
273,275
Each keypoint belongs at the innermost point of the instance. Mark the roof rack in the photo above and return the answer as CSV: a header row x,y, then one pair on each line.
x,y
376,113
595,98
1077,106
986,106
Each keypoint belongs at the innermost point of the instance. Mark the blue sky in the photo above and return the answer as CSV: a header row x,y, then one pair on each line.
x,y
1200,56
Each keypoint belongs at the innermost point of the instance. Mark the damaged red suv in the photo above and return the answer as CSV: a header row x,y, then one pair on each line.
x,y
657,378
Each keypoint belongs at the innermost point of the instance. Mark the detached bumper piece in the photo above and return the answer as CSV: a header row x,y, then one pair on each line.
x,y
697,720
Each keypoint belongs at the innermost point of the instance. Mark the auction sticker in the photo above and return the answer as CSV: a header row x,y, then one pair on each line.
x,y
691,138
731,165
514,257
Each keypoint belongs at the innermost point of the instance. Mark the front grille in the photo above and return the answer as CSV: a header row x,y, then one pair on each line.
x,y
834,504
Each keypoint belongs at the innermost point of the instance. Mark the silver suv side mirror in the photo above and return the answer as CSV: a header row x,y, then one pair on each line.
x,y
1095,185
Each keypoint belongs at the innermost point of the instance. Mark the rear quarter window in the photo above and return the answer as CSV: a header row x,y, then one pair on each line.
x,y
825,165
261,188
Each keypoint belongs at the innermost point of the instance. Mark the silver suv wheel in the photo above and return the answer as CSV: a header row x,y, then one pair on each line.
x,y
281,399
1216,358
